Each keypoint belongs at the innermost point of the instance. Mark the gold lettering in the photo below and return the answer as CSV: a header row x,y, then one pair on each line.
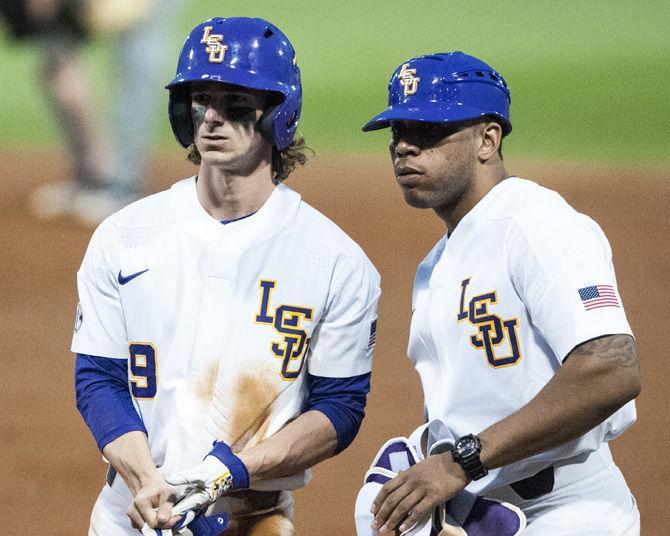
x,y
214,48
407,79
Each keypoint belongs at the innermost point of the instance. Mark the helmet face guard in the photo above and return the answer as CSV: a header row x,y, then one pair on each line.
x,y
445,88
246,52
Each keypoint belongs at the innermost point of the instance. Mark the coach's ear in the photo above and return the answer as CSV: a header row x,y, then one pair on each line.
x,y
490,138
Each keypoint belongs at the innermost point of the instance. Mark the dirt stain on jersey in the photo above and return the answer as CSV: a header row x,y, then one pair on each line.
x,y
273,524
258,513
205,382
254,395
264,525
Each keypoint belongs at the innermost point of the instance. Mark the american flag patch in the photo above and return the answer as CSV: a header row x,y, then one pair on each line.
x,y
373,334
598,296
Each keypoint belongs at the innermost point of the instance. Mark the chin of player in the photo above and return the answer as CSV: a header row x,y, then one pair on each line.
x,y
416,198
214,156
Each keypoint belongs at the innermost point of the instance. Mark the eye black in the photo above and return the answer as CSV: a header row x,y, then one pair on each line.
x,y
241,113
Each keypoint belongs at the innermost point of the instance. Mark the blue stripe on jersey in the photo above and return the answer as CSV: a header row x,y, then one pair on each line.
x,y
103,398
342,400
226,222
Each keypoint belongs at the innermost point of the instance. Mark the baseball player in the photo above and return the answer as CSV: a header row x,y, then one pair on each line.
x,y
518,331
225,331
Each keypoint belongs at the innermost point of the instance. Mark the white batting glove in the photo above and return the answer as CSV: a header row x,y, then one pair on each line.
x,y
219,473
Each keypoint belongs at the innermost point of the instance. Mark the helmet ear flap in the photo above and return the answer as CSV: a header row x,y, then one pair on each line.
x,y
279,121
266,123
179,112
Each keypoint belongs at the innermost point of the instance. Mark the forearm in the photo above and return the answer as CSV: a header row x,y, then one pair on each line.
x,y
153,500
131,458
598,378
301,444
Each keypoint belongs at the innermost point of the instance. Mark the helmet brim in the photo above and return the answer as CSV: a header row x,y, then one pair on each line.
x,y
430,113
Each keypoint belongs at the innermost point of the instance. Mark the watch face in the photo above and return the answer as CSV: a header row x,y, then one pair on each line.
x,y
467,445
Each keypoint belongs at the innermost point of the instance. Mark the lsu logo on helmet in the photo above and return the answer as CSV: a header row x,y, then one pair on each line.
x,y
407,79
215,48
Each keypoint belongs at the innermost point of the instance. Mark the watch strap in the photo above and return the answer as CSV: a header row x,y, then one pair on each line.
x,y
466,454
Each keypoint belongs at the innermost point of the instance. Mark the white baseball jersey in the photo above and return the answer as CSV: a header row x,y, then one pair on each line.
x,y
499,304
220,322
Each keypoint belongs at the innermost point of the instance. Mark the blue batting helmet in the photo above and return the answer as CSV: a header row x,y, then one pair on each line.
x,y
443,88
246,52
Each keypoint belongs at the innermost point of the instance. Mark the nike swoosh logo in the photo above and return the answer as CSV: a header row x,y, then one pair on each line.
x,y
123,279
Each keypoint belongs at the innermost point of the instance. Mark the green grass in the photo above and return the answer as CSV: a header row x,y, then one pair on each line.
x,y
588,79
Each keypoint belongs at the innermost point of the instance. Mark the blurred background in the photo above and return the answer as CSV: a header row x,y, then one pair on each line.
x,y
588,78
83,120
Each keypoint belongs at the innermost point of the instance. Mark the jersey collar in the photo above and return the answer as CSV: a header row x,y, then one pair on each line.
x,y
277,211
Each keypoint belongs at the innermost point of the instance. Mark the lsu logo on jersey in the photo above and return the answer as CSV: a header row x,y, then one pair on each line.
x,y
293,345
215,48
496,336
408,80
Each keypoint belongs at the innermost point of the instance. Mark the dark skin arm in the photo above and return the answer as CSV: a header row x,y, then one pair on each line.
x,y
601,375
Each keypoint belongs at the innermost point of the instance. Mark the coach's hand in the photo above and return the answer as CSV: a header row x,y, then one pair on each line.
x,y
413,494
219,473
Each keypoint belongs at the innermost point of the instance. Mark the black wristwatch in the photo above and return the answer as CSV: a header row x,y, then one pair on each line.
x,y
466,454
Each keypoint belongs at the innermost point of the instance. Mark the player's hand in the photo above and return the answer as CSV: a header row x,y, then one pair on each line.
x,y
153,504
219,473
413,494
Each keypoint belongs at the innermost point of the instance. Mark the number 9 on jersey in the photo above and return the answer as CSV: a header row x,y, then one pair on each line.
x,y
143,370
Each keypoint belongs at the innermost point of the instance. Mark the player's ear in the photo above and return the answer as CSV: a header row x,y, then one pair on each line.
x,y
490,138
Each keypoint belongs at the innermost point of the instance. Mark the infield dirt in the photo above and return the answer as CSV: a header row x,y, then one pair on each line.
x,y
52,470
